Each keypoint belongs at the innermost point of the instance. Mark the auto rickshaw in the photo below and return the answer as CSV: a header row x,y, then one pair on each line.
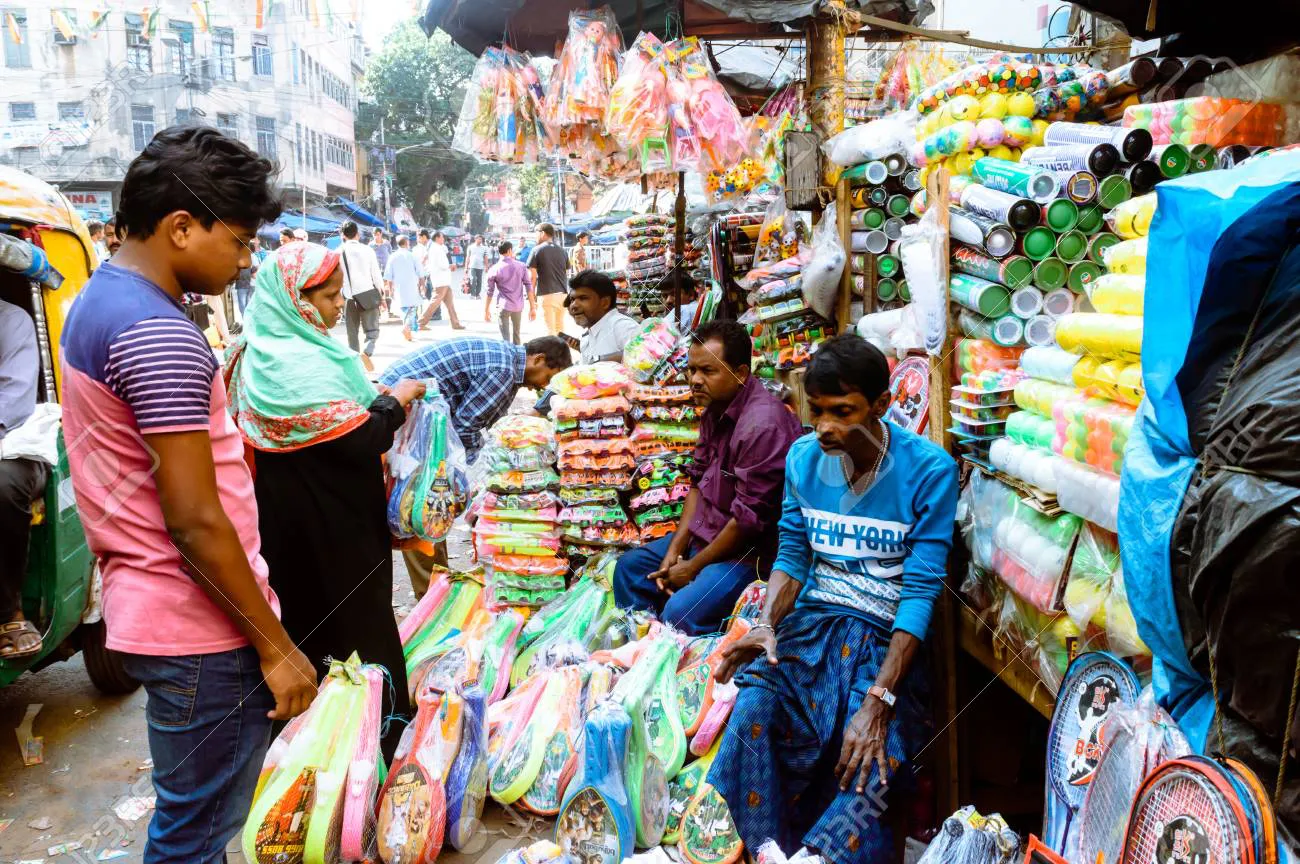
x,y
61,590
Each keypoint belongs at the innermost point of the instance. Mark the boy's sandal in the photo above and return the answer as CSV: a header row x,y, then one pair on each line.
x,y
11,635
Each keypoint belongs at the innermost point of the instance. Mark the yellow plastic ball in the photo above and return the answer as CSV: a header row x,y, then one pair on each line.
x,y
993,105
1020,105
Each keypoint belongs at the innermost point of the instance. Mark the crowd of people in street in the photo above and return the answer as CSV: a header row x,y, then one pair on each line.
x,y
255,546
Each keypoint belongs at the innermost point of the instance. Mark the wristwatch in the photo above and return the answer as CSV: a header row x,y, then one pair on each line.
x,y
883,694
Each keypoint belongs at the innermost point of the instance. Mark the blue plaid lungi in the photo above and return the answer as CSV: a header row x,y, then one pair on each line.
x,y
776,764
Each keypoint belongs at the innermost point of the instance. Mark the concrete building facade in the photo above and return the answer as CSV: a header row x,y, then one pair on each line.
x,y
84,86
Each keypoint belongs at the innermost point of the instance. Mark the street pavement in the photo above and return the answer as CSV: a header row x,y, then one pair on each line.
x,y
96,758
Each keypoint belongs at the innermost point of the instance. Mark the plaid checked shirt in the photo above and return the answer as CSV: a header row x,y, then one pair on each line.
x,y
478,376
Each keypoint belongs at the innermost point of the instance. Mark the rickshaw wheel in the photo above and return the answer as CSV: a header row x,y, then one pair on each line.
x,y
104,665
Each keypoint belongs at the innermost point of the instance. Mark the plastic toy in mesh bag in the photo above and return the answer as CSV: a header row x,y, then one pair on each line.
x,y
522,430
426,466
638,107
609,454
656,352
591,380
587,68
316,794
1095,595
413,804
596,824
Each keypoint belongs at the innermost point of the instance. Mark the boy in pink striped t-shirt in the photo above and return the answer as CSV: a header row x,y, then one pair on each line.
x,y
165,496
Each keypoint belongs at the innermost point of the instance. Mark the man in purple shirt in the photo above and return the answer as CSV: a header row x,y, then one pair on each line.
x,y
509,279
727,533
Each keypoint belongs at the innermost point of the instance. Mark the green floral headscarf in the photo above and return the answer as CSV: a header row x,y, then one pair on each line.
x,y
289,383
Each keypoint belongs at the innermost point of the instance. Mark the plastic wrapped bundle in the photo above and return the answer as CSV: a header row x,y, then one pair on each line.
x,y
428,485
708,834
597,525
638,101
467,780
517,758
1092,431
656,353
451,662
559,759
413,804
1087,492
657,745
452,607
587,69
524,580
1095,595
534,539
605,417
595,824
561,628
591,380
500,646
696,687
681,789
316,794
1030,551
1030,464
966,837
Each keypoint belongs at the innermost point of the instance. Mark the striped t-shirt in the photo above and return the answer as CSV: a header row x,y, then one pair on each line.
x,y
135,366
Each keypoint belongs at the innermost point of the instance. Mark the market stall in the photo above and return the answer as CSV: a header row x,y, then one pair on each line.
x,y
1054,296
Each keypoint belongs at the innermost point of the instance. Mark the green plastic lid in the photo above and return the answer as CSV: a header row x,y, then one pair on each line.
x,y
1037,243
1072,246
899,205
1061,215
1099,243
874,218
887,265
1050,274
886,290
1017,270
1090,219
904,293
1203,157
1082,274
878,195
1113,190
1173,159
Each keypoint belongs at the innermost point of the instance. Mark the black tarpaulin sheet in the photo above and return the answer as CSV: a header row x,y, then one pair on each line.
x,y
1235,547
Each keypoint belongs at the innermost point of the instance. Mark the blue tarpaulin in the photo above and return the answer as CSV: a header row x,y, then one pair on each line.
x,y
1159,461
360,215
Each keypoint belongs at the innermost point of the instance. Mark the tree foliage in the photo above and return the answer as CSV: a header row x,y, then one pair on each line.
x,y
536,186
416,86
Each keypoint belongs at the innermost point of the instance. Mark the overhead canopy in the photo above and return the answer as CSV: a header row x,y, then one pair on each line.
x,y
359,214
540,26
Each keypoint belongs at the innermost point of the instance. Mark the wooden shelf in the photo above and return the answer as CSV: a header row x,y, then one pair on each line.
x,y
1000,658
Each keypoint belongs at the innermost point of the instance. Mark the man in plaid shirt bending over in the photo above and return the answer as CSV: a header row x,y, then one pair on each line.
x,y
479,378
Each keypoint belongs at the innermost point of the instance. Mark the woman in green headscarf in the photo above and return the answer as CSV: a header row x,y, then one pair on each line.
x,y
317,428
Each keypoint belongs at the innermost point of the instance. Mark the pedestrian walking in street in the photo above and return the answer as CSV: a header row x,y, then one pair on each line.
x,y
550,271
438,267
509,280
403,276
318,429
186,598
363,289
475,263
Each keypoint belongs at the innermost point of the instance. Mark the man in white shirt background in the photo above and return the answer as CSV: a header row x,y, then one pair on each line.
x,y
438,266
403,275
363,289
592,299
476,263
421,252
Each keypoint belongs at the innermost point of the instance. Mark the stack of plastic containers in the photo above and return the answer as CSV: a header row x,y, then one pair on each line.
x,y
596,457
649,241
667,427
516,533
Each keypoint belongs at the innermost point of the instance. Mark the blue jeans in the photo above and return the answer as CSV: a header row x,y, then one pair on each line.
x,y
208,734
242,296
697,608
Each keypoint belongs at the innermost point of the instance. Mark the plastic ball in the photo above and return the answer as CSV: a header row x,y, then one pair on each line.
x,y
1017,130
964,136
1020,105
993,105
1037,128
1001,151
988,132
964,108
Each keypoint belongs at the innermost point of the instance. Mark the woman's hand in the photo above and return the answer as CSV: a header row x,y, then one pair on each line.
x,y
407,391
760,640
864,743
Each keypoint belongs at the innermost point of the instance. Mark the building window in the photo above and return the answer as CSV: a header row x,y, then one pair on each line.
x,y
261,55
294,54
72,112
18,55
139,53
180,48
142,126
184,117
223,46
266,136
228,124
297,137
20,111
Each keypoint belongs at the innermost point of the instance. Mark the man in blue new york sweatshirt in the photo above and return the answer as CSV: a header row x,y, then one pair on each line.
x,y
831,705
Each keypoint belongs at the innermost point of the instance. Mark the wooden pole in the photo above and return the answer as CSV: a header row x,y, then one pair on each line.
x,y
826,63
679,244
